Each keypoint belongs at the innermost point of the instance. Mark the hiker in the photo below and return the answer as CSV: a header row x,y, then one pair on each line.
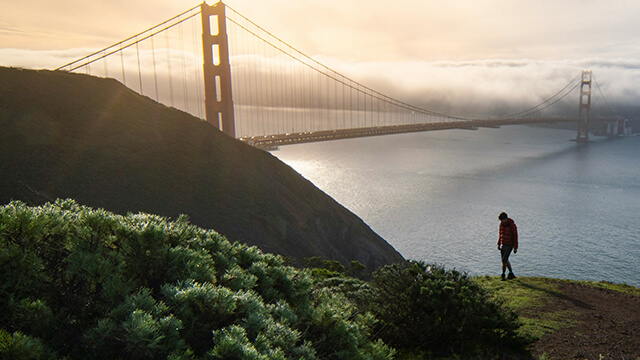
x,y
507,241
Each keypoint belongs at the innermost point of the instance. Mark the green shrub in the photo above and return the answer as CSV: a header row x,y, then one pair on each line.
x,y
428,309
81,283
336,324
17,346
317,262
330,268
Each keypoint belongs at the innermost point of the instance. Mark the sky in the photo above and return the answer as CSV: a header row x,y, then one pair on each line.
x,y
459,48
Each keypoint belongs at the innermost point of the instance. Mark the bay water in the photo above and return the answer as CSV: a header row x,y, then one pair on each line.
x,y
435,196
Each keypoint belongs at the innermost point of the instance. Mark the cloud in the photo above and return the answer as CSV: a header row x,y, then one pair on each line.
x,y
9,29
482,88
40,59
465,87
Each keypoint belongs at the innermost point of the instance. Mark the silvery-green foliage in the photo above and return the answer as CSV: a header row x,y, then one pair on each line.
x,y
83,283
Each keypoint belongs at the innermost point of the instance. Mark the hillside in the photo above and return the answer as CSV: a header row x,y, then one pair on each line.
x,y
74,136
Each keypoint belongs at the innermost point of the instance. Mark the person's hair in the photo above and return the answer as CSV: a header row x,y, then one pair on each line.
x,y
502,216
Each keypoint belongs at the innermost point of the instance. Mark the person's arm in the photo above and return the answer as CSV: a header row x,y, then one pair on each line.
x,y
515,238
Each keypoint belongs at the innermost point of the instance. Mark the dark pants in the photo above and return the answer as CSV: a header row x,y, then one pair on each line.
x,y
505,251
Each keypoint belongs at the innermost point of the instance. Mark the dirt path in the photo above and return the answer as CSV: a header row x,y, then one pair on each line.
x,y
608,325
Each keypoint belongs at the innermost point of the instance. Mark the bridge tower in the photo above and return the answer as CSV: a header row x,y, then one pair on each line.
x,y
217,71
584,112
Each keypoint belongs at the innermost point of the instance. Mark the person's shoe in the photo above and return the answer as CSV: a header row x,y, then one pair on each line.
x,y
511,276
502,276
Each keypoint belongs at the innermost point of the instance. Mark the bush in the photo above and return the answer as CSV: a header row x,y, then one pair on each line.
x,y
80,283
428,309
21,347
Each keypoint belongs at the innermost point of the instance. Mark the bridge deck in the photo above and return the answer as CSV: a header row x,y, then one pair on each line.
x,y
273,141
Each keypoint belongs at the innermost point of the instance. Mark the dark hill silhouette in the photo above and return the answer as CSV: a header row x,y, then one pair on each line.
x,y
74,136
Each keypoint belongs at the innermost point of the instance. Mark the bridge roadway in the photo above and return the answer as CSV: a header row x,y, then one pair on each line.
x,y
273,141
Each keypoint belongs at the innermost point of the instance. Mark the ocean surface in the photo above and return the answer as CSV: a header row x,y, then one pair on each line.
x,y
436,196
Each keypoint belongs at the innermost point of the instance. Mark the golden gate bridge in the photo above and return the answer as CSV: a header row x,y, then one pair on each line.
x,y
218,65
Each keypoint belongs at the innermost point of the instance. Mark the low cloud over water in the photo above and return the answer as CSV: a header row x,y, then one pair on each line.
x,y
481,87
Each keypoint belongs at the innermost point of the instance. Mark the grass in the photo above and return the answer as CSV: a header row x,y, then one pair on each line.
x,y
530,298
623,288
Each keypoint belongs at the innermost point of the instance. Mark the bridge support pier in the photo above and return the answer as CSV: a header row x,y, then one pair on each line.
x,y
617,127
217,71
584,111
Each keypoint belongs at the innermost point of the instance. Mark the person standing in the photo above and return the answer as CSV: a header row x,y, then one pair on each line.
x,y
507,242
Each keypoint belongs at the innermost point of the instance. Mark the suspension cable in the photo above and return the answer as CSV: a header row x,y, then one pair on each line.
x,y
128,39
601,94
535,109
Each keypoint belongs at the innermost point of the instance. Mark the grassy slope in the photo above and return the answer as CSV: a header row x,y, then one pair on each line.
x,y
531,298
528,297
75,136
